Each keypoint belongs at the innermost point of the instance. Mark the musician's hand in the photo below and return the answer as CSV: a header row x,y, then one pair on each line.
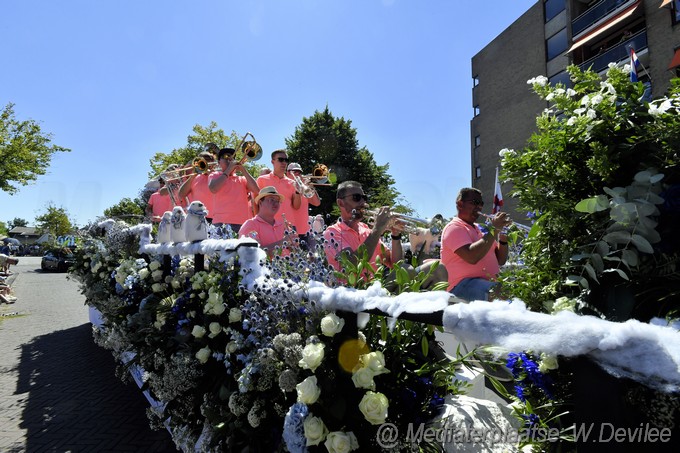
x,y
231,167
501,220
397,227
382,219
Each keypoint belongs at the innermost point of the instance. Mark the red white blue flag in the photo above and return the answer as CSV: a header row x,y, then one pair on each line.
x,y
634,63
497,196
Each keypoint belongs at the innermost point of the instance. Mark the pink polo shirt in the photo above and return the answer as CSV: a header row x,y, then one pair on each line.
x,y
160,203
458,233
285,187
301,216
201,192
230,203
264,233
339,237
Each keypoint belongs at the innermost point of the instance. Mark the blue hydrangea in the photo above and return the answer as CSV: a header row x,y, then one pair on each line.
x,y
293,428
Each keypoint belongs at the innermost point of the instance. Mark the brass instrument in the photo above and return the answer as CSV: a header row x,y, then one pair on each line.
x,y
304,187
525,228
410,223
200,165
250,149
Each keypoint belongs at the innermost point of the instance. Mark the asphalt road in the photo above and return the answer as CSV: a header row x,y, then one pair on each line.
x,y
58,390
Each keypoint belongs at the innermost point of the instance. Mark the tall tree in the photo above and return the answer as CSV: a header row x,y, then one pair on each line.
x,y
17,222
3,228
324,139
54,220
25,151
131,211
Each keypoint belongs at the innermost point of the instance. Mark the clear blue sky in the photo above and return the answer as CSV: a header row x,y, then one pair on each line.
x,y
117,81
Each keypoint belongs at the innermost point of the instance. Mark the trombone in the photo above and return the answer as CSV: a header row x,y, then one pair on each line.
x,y
250,149
411,224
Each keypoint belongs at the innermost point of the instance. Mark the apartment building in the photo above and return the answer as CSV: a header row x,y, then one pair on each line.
x,y
543,41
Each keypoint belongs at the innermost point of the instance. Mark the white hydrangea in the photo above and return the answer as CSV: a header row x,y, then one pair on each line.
x,y
538,80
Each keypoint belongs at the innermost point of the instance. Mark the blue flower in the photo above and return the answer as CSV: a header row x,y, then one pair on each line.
x,y
293,428
519,391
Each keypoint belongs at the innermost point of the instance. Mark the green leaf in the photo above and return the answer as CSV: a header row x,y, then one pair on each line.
x,y
598,264
622,274
643,176
629,257
424,345
642,244
617,237
589,269
602,248
591,205
573,280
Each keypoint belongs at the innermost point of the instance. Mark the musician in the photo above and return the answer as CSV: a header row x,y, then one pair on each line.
x,y
230,203
283,184
473,258
195,187
159,202
301,216
265,228
349,232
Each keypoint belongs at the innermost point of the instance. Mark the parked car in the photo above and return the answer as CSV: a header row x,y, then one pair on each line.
x,y
57,261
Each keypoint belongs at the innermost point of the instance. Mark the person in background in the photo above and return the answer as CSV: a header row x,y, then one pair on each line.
x,y
283,185
231,192
300,218
195,187
349,232
473,258
265,228
159,202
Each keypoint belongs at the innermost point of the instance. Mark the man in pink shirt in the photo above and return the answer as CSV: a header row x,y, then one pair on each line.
x,y
230,203
349,232
268,231
195,187
158,203
472,258
283,185
301,216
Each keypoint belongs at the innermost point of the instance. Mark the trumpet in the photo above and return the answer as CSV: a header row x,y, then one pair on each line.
x,y
525,228
304,187
250,149
411,224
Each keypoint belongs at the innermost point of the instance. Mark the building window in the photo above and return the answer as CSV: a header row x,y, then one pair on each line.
x,y
561,77
475,81
553,8
478,172
476,110
556,44
675,11
477,141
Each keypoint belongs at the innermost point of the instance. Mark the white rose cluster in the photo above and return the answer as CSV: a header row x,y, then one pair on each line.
x,y
368,366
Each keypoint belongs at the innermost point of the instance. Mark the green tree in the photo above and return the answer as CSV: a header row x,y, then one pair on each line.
x,y
131,211
3,228
17,222
324,139
54,220
25,151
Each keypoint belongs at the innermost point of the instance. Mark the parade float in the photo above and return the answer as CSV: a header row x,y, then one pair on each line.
x,y
242,353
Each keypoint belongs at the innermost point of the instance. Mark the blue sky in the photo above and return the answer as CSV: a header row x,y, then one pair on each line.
x,y
117,81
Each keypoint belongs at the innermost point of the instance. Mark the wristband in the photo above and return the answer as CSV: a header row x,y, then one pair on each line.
x,y
398,236
503,242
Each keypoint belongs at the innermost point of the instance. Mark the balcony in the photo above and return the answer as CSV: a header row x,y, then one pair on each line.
x,y
616,53
597,13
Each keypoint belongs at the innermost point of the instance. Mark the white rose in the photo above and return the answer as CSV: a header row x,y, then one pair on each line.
x,y
157,275
548,362
375,361
232,346
315,430
219,309
203,354
307,391
234,315
374,406
339,442
157,287
153,265
102,275
312,355
363,378
144,273
331,324
198,331
215,329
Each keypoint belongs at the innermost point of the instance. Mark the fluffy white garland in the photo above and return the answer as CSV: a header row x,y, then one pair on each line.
x,y
647,353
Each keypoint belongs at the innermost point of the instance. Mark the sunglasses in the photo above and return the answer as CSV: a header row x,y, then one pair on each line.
x,y
476,202
282,159
357,197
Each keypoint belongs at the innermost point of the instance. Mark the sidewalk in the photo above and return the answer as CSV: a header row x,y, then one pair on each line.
x,y
58,390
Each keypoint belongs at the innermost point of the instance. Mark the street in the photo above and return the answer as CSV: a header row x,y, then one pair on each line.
x,y
58,390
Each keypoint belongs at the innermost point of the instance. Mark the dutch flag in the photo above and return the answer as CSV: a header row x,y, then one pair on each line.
x,y
497,196
634,63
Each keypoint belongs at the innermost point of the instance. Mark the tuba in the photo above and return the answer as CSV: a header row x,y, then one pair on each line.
x,y
250,149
